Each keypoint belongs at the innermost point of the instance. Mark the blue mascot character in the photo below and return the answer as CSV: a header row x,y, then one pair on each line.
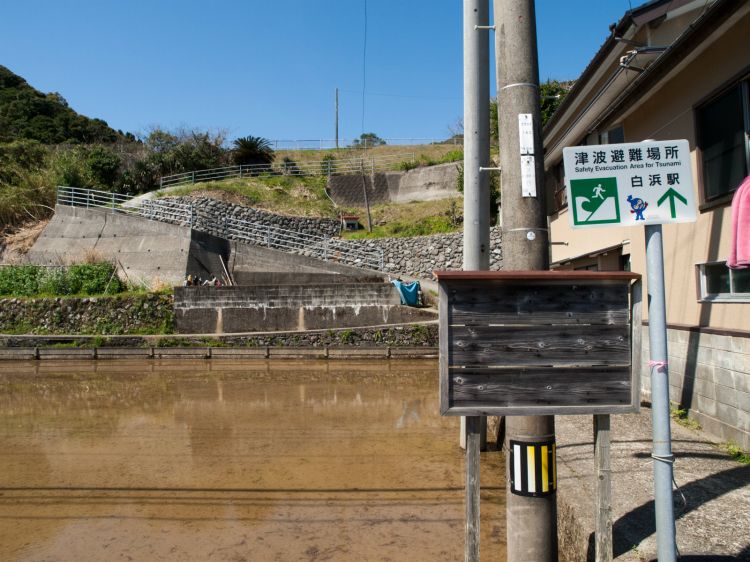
x,y
637,206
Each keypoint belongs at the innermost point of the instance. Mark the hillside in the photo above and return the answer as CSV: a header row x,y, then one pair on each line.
x,y
28,114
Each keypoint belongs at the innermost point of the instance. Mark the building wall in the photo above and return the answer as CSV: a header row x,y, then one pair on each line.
x,y
708,343
669,114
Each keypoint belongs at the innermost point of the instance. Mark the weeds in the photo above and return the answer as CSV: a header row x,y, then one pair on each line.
x,y
681,416
736,452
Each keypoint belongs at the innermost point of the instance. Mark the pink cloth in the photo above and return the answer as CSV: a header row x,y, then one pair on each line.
x,y
739,253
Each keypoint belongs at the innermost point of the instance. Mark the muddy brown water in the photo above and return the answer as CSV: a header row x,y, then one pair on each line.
x,y
234,460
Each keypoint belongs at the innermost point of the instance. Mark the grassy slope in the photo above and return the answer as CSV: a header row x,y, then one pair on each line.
x,y
305,196
429,151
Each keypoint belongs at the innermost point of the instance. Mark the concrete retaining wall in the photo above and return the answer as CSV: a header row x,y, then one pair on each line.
x,y
709,376
145,251
426,183
289,307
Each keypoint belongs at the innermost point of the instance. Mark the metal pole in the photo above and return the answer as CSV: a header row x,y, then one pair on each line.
x,y
666,546
477,134
531,521
476,241
337,118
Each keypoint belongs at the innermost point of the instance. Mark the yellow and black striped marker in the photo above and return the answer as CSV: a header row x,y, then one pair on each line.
x,y
533,469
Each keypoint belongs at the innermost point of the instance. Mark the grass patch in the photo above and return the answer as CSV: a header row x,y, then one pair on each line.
x,y
736,452
290,195
426,160
418,218
681,416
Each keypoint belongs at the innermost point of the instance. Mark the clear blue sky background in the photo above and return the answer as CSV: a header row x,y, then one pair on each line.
x,y
270,68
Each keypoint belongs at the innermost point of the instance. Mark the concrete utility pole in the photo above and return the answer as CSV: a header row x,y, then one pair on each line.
x,y
476,248
531,521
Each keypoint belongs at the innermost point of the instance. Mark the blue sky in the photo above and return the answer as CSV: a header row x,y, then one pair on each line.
x,y
270,68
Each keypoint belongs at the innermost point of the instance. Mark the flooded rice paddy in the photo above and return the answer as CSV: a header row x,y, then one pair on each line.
x,y
236,461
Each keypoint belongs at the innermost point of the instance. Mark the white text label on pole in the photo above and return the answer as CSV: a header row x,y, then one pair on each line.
x,y
629,184
526,133
528,176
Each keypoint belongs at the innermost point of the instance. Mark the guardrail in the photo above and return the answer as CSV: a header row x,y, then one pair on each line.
x,y
183,214
160,210
329,167
356,143
311,245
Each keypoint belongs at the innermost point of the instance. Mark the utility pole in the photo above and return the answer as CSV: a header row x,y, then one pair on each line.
x,y
337,118
531,521
476,246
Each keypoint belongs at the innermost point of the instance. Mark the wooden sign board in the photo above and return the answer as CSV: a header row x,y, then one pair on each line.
x,y
539,342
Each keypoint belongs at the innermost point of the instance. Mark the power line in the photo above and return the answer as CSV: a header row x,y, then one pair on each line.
x,y
364,71
410,96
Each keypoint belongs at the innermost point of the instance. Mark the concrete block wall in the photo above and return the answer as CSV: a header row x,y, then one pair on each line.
x,y
426,183
289,307
709,376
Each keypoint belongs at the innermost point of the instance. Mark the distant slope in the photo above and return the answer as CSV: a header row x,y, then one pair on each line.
x,y
27,113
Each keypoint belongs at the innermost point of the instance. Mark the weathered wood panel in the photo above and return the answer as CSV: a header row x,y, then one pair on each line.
x,y
539,387
495,302
539,345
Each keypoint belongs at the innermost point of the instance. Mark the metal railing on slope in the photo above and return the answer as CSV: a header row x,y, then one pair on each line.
x,y
319,168
161,210
311,245
165,210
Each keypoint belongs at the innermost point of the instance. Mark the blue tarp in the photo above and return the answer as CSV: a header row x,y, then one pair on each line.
x,y
409,292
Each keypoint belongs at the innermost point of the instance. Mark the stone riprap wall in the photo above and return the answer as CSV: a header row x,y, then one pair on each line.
x,y
148,313
709,377
419,256
405,336
209,217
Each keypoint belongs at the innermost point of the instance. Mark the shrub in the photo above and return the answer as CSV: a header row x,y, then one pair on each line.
x,y
33,280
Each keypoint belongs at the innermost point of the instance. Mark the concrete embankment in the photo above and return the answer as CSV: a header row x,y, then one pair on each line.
x,y
380,342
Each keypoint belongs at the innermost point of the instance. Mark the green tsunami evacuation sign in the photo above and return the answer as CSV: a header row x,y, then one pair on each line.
x,y
595,201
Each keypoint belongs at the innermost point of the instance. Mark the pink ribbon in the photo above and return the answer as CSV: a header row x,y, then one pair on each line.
x,y
660,365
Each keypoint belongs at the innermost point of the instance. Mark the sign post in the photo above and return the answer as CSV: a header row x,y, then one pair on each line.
x,y
650,184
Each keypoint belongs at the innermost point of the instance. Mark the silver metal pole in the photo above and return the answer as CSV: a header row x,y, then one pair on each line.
x,y
476,245
476,136
666,546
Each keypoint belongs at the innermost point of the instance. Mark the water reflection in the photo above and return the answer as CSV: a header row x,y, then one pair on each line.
x,y
220,460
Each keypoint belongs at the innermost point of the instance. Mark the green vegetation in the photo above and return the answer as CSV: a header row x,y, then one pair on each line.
x,y
736,452
28,114
252,150
418,218
368,140
293,195
425,160
552,94
681,416
84,279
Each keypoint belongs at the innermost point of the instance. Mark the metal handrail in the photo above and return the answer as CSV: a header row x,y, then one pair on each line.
x,y
340,166
183,214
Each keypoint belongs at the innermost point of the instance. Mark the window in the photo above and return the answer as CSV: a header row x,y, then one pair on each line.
x,y
723,129
719,283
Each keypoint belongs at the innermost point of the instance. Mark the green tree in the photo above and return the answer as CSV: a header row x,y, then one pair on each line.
x,y
368,140
103,166
552,93
252,150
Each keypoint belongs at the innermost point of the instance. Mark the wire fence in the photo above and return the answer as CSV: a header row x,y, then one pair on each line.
x,y
325,167
174,212
333,144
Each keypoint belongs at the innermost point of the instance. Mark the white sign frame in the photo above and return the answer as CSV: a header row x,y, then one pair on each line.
x,y
629,184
